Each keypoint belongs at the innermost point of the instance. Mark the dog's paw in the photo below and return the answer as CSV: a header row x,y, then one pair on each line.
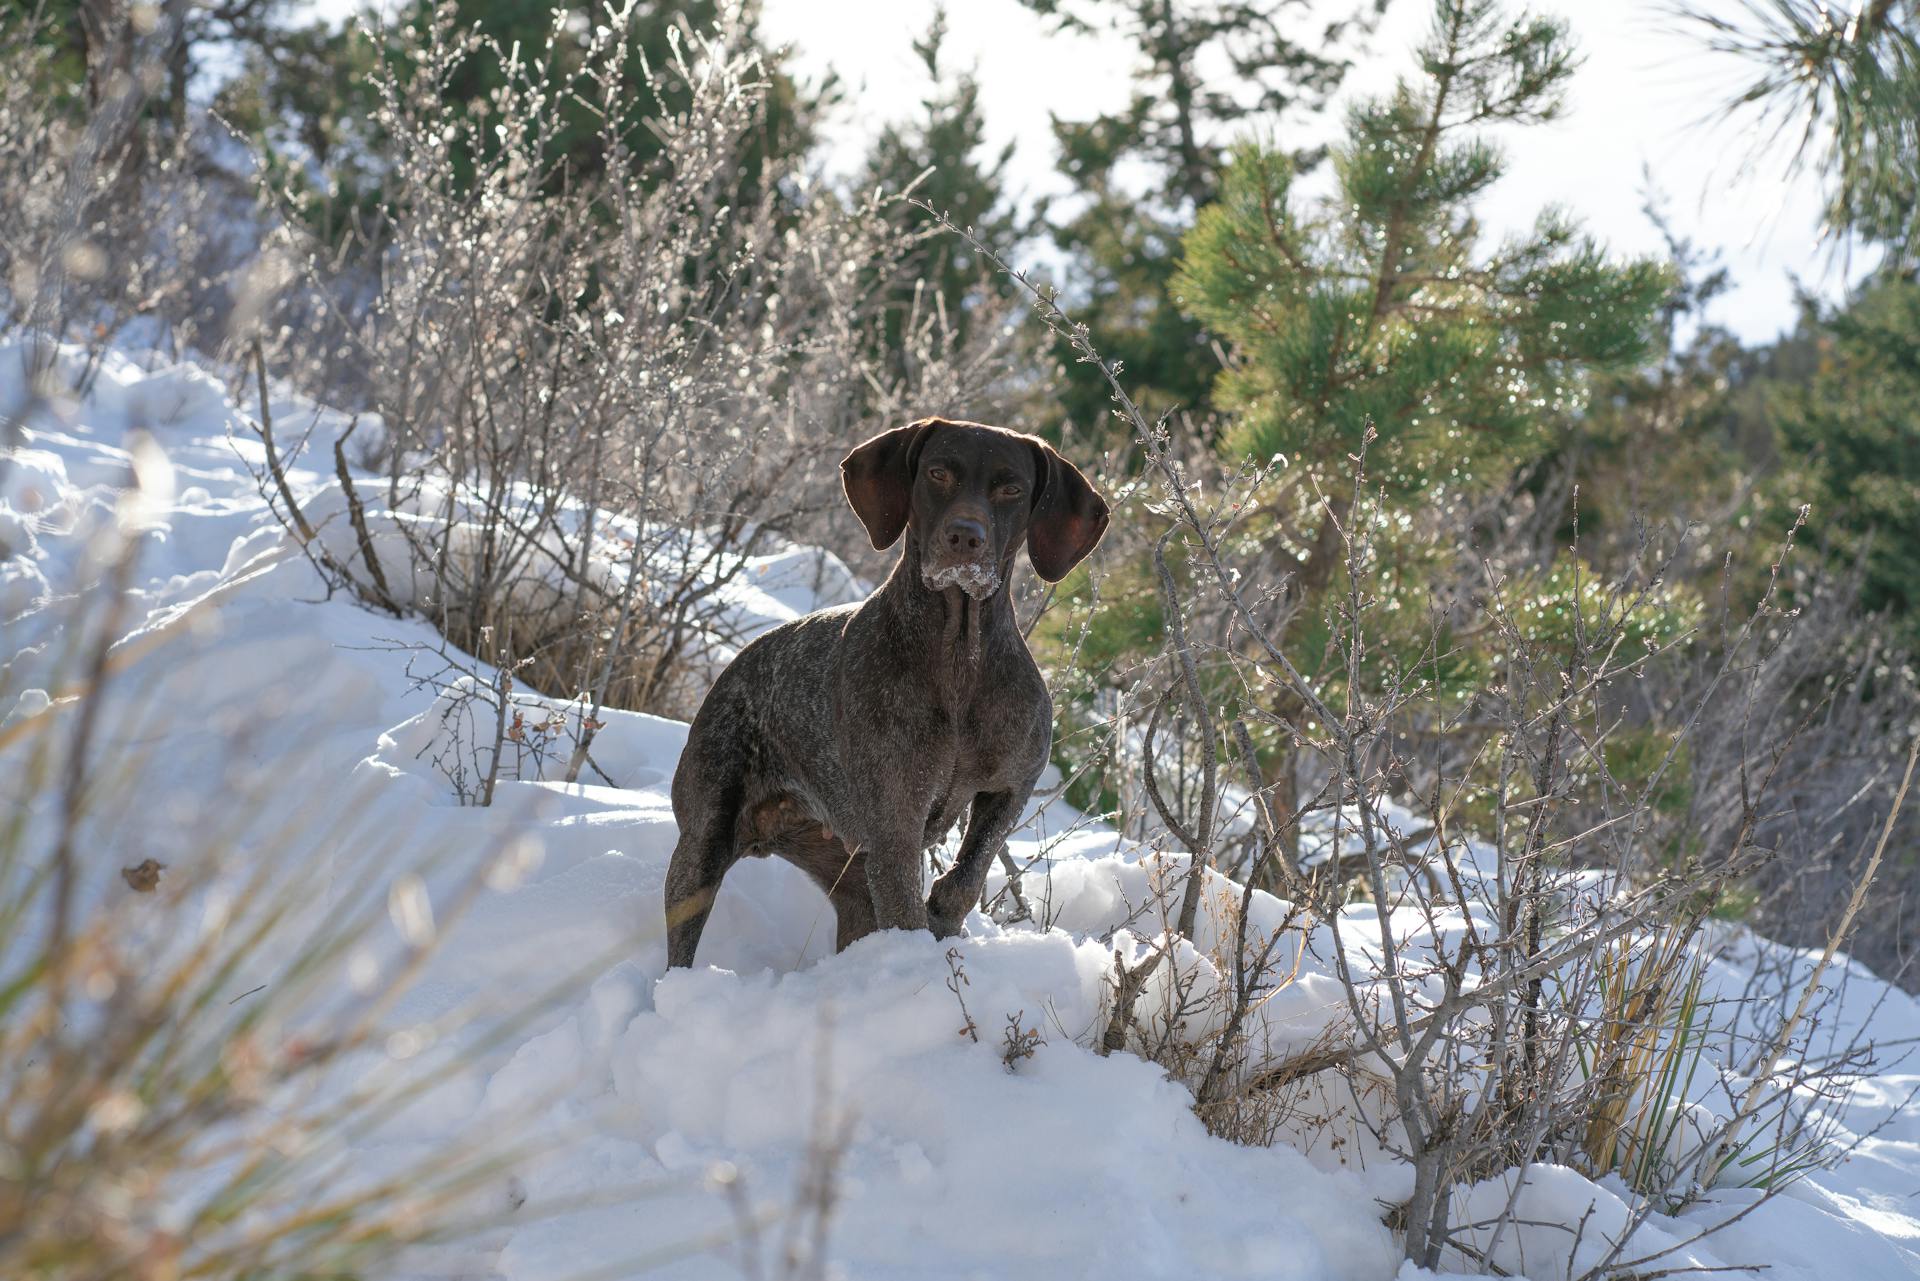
x,y
946,910
946,927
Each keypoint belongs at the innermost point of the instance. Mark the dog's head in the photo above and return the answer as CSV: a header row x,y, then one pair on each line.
x,y
971,493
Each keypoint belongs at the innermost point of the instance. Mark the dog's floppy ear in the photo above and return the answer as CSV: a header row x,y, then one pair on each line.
x,y
1068,516
878,477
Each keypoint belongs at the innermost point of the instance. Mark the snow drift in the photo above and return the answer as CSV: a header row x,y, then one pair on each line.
x,y
667,1102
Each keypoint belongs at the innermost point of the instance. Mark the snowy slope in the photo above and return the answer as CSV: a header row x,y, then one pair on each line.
x,y
667,1101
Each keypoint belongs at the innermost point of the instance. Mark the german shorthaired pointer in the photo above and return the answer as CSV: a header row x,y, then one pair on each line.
x,y
848,742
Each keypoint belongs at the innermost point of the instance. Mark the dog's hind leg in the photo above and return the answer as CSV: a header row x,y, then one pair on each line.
x,y
852,904
700,859
840,873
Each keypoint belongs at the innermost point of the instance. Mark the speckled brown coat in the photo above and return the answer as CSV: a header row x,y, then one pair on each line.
x,y
849,741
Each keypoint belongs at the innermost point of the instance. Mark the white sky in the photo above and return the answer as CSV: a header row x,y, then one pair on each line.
x,y
1637,101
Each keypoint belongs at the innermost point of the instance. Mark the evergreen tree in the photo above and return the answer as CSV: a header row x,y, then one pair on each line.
x,y
93,38
944,158
305,93
1696,405
102,49
1377,310
1378,307
1205,66
304,96
1844,82
1850,438
656,30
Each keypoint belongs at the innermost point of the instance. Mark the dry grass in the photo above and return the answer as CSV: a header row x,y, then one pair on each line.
x,y
196,1020
1645,1047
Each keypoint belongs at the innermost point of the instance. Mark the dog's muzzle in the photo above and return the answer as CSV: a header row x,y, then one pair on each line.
x,y
976,578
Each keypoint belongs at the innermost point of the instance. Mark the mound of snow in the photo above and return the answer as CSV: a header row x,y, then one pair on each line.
x,y
675,1099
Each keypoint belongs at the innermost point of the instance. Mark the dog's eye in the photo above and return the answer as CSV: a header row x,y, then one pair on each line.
x,y
939,475
1010,490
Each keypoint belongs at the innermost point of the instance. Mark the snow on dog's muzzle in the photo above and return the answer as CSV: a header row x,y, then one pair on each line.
x,y
976,579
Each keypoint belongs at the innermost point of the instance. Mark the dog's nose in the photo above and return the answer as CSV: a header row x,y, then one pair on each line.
x,y
964,535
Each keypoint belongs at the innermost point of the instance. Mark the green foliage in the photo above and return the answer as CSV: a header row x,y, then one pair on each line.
x,y
1736,904
1124,257
92,39
1696,407
1130,619
308,102
1123,233
53,28
1171,122
1549,609
1394,372
307,96
559,37
1089,645
1843,83
942,157
1373,324
1637,757
1373,312
1851,435
1374,308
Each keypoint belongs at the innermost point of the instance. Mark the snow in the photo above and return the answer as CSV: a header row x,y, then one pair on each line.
x,y
669,1101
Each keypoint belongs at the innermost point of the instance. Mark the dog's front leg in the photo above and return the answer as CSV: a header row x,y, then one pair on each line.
x,y
954,894
893,875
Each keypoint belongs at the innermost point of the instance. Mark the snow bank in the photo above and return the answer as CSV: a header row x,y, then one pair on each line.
x,y
674,1100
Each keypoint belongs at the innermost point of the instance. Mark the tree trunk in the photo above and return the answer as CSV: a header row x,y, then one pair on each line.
x,y
1280,773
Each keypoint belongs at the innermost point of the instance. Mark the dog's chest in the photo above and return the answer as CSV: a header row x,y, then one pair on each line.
x,y
971,771
987,744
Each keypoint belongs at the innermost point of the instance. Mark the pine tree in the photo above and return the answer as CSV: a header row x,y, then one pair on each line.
x,y
304,94
1841,86
1694,404
102,49
1850,438
1205,67
655,30
943,156
1376,310
1377,307
1843,83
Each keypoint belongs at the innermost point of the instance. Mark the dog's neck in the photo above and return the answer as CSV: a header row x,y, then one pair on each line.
x,y
956,626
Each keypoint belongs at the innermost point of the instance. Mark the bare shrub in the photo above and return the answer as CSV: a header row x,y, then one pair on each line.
x,y
114,224
601,403
1835,673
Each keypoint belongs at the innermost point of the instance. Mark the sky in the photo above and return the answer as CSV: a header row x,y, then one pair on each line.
x,y
1641,104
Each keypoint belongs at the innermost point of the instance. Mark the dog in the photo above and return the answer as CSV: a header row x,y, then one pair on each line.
x,y
850,741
